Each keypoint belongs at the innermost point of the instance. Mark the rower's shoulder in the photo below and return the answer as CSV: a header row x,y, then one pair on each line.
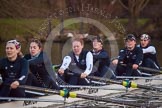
x,y
3,61
122,50
138,48
27,56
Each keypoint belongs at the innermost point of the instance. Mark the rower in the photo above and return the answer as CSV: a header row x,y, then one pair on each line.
x,y
77,61
149,52
131,56
13,69
101,60
40,67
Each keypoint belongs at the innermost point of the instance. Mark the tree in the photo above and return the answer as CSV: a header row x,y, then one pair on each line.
x,y
134,8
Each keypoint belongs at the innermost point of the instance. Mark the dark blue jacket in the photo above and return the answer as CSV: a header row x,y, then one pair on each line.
x,y
134,56
41,67
153,57
13,70
102,57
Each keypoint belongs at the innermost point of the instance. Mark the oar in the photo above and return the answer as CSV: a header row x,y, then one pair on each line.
x,y
34,92
125,83
92,87
108,100
150,69
39,89
146,69
136,77
66,93
31,99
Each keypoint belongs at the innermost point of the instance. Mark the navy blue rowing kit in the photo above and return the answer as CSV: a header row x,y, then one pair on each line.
x,y
129,57
40,71
13,71
149,57
101,62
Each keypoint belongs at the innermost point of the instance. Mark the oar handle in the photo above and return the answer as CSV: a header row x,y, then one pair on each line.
x,y
73,73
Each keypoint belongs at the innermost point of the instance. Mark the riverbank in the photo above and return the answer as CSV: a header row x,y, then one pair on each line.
x,y
38,27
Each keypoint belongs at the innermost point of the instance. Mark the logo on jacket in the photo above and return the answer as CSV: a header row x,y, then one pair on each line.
x,y
6,67
83,62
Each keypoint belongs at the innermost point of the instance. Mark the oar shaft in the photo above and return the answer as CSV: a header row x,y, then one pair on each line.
x,y
108,100
92,87
136,77
146,69
39,89
148,87
31,99
150,70
125,83
104,79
